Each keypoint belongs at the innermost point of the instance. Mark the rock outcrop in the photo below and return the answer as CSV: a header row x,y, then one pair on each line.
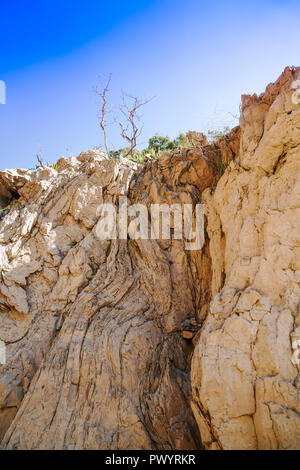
x,y
142,344
98,333
246,385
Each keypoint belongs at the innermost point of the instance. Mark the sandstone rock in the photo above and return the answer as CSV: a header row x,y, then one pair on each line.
x,y
246,388
195,139
95,355
100,333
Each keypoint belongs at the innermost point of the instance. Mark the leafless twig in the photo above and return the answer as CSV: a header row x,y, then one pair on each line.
x,y
104,110
40,160
131,131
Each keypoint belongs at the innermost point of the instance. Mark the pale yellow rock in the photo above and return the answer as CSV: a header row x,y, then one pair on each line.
x,y
243,376
96,358
100,334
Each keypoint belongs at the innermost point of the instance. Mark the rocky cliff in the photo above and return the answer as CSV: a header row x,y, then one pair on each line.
x,y
143,344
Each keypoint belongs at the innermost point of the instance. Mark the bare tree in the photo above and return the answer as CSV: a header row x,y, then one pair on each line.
x,y
130,132
39,159
104,110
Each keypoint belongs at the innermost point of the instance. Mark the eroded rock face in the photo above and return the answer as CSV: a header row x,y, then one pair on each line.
x,y
246,386
98,332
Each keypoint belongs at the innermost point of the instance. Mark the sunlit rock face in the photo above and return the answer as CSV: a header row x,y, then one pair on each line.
x,y
98,332
245,370
144,344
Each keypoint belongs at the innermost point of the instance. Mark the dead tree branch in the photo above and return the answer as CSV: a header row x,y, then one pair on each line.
x,y
131,131
40,161
104,110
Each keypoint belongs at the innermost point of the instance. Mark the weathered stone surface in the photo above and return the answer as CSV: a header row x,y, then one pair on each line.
x,y
246,388
100,334
195,139
96,358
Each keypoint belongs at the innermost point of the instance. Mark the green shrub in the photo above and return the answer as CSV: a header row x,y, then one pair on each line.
x,y
156,145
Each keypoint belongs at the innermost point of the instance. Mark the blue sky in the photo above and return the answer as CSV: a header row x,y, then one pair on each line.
x,y
195,57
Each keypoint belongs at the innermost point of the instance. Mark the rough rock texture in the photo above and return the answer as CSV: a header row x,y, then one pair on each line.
x,y
98,332
100,335
246,389
195,139
225,149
